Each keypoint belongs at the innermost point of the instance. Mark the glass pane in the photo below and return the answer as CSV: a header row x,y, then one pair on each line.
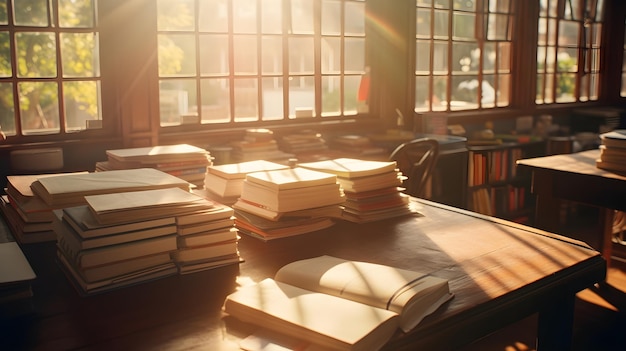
x,y
272,98
177,55
215,95
583,94
595,59
175,15
489,57
596,36
331,55
245,54
355,18
301,17
213,54
440,57
549,89
31,13
504,90
42,62
351,87
567,60
272,51
331,96
594,89
501,6
464,92
540,89
246,100
441,24
5,55
76,13
7,109
213,15
177,98
272,17
551,38
421,93
498,27
440,93
244,16
422,57
541,59
301,95
82,103
550,59
504,57
542,30
568,33
301,56
4,16
464,25
422,23
552,6
80,55
354,58
39,107
566,87
488,93
466,57
331,17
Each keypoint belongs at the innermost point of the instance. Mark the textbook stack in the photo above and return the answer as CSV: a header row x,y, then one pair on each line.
x,y
372,188
303,142
258,144
357,145
613,151
223,183
121,239
286,202
184,161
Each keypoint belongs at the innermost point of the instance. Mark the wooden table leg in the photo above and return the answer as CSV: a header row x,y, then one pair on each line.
x,y
547,207
606,218
554,329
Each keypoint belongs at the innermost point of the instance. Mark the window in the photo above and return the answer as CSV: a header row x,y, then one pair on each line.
x,y
463,58
623,90
231,61
568,50
49,67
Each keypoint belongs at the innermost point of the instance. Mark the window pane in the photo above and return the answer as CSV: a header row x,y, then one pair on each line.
x,y
466,57
331,17
355,18
350,88
440,57
504,57
39,107
422,57
331,55
213,15
5,55
301,17
215,100
301,55
272,59
422,24
246,100
177,97
331,95
421,93
79,54
81,102
488,93
31,13
7,109
301,95
504,88
177,55
76,13
272,17
42,62
565,89
441,24
4,16
213,54
464,26
175,15
498,27
245,54
567,60
354,58
272,98
244,16
464,92
489,57
568,33
440,88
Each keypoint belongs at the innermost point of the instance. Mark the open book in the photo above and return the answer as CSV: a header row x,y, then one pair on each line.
x,y
319,299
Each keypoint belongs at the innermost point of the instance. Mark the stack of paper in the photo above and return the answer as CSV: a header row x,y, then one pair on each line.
x,y
613,151
372,188
184,161
224,182
258,144
302,200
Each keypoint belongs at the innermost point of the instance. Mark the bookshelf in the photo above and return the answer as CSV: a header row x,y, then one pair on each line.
x,y
495,186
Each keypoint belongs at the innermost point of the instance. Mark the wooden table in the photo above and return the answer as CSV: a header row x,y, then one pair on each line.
x,y
500,272
575,177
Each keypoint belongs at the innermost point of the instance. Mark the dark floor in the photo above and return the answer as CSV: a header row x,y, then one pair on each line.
x,y
600,316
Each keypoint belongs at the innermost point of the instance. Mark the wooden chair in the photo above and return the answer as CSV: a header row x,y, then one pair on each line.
x,y
416,160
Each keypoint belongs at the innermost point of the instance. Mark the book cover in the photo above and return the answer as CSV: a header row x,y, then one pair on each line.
x,y
295,199
158,153
351,167
239,170
291,178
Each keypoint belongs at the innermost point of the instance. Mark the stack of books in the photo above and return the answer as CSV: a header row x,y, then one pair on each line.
x,y
287,202
258,144
16,277
303,142
224,182
357,145
121,239
373,189
613,151
206,239
185,161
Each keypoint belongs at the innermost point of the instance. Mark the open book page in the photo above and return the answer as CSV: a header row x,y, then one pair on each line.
x,y
321,319
411,294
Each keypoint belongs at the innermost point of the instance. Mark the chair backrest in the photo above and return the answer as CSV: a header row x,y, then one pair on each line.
x,y
416,160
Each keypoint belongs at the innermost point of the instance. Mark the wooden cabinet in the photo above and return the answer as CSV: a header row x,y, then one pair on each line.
x,y
495,185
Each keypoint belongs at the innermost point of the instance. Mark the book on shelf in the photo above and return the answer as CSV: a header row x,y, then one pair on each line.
x,y
291,178
351,167
68,190
318,299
